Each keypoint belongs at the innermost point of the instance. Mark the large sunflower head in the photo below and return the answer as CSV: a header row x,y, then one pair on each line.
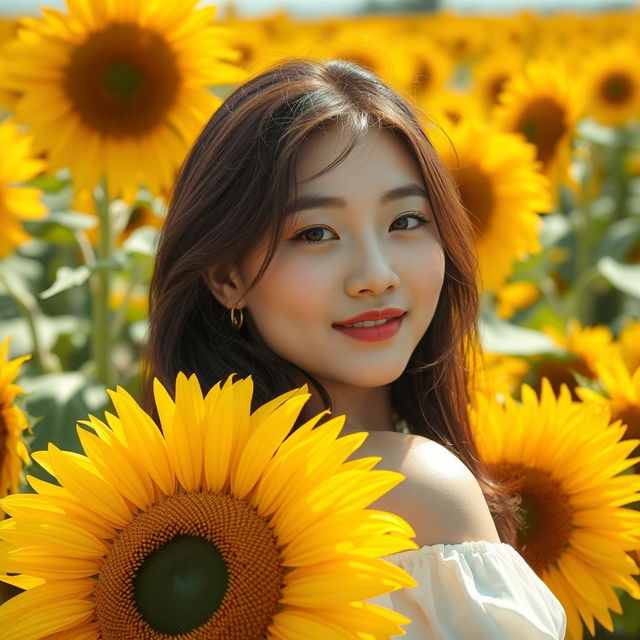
x,y
565,462
13,452
219,527
612,84
118,88
503,191
543,105
17,203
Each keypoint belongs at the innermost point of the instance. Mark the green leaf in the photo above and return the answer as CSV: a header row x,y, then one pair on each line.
x,y
625,277
66,278
50,329
498,336
73,220
143,241
555,226
57,401
593,132
618,238
49,183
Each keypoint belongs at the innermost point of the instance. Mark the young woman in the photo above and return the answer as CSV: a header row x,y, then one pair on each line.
x,y
315,236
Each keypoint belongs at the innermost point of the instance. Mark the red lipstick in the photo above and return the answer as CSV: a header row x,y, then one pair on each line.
x,y
374,314
377,333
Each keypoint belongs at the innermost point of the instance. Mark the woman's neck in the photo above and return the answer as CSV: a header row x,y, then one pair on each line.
x,y
366,409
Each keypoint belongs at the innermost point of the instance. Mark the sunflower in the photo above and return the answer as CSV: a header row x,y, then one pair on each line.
x,y
491,75
564,460
621,393
450,106
248,37
7,32
512,297
117,88
367,48
585,348
428,66
498,374
462,37
218,526
13,452
629,341
17,165
503,191
542,104
612,84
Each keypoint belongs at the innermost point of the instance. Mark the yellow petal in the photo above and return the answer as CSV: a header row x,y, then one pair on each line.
x,y
46,609
325,586
65,539
88,488
263,443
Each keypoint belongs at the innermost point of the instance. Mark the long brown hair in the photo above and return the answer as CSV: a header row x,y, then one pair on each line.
x,y
232,192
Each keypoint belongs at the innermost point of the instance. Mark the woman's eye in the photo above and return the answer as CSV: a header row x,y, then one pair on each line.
x,y
313,235
408,221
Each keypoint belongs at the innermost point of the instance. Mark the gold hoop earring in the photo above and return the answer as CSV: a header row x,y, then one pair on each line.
x,y
236,320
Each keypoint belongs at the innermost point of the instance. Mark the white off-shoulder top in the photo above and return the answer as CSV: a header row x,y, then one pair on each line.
x,y
474,591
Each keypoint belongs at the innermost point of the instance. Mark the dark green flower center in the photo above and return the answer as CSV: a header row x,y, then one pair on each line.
x,y
123,79
181,585
617,88
195,565
543,123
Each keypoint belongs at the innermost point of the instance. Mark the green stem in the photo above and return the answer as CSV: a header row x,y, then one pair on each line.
x,y
44,360
86,249
580,306
581,295
621,183
102,289
118,321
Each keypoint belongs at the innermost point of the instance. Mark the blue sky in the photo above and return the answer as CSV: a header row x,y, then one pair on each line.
x,y
309,8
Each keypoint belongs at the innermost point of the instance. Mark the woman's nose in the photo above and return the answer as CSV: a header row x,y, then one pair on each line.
x,y
371,272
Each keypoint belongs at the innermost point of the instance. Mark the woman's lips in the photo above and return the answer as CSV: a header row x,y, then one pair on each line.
x,y
373,334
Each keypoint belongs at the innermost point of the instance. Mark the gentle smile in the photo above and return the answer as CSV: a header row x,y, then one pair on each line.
x,y
372,330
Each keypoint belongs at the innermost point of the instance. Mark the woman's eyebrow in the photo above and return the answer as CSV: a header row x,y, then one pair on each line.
x,y
311,201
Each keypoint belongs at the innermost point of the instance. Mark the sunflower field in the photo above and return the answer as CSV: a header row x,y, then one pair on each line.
x,y
538,119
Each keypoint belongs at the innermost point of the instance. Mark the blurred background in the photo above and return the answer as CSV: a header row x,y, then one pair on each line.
x,y
534,107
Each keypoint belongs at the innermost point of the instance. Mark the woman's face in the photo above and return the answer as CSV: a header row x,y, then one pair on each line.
x,y
350,246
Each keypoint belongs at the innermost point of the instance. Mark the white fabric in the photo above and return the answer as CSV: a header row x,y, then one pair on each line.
x,y
474,591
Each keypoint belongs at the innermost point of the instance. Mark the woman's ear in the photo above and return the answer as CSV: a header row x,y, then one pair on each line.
x,y
226,287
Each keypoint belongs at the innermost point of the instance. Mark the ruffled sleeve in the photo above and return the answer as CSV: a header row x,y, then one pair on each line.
x,y
474,590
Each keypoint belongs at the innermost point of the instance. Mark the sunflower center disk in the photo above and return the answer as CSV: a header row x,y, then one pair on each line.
x,y
543,124
123,80
423,77
559,371
546,513
476,193
617,88
197,565
181,585
497,86
630,415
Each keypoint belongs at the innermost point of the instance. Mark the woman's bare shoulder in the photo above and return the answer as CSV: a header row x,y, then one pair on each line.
x,y
440,497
